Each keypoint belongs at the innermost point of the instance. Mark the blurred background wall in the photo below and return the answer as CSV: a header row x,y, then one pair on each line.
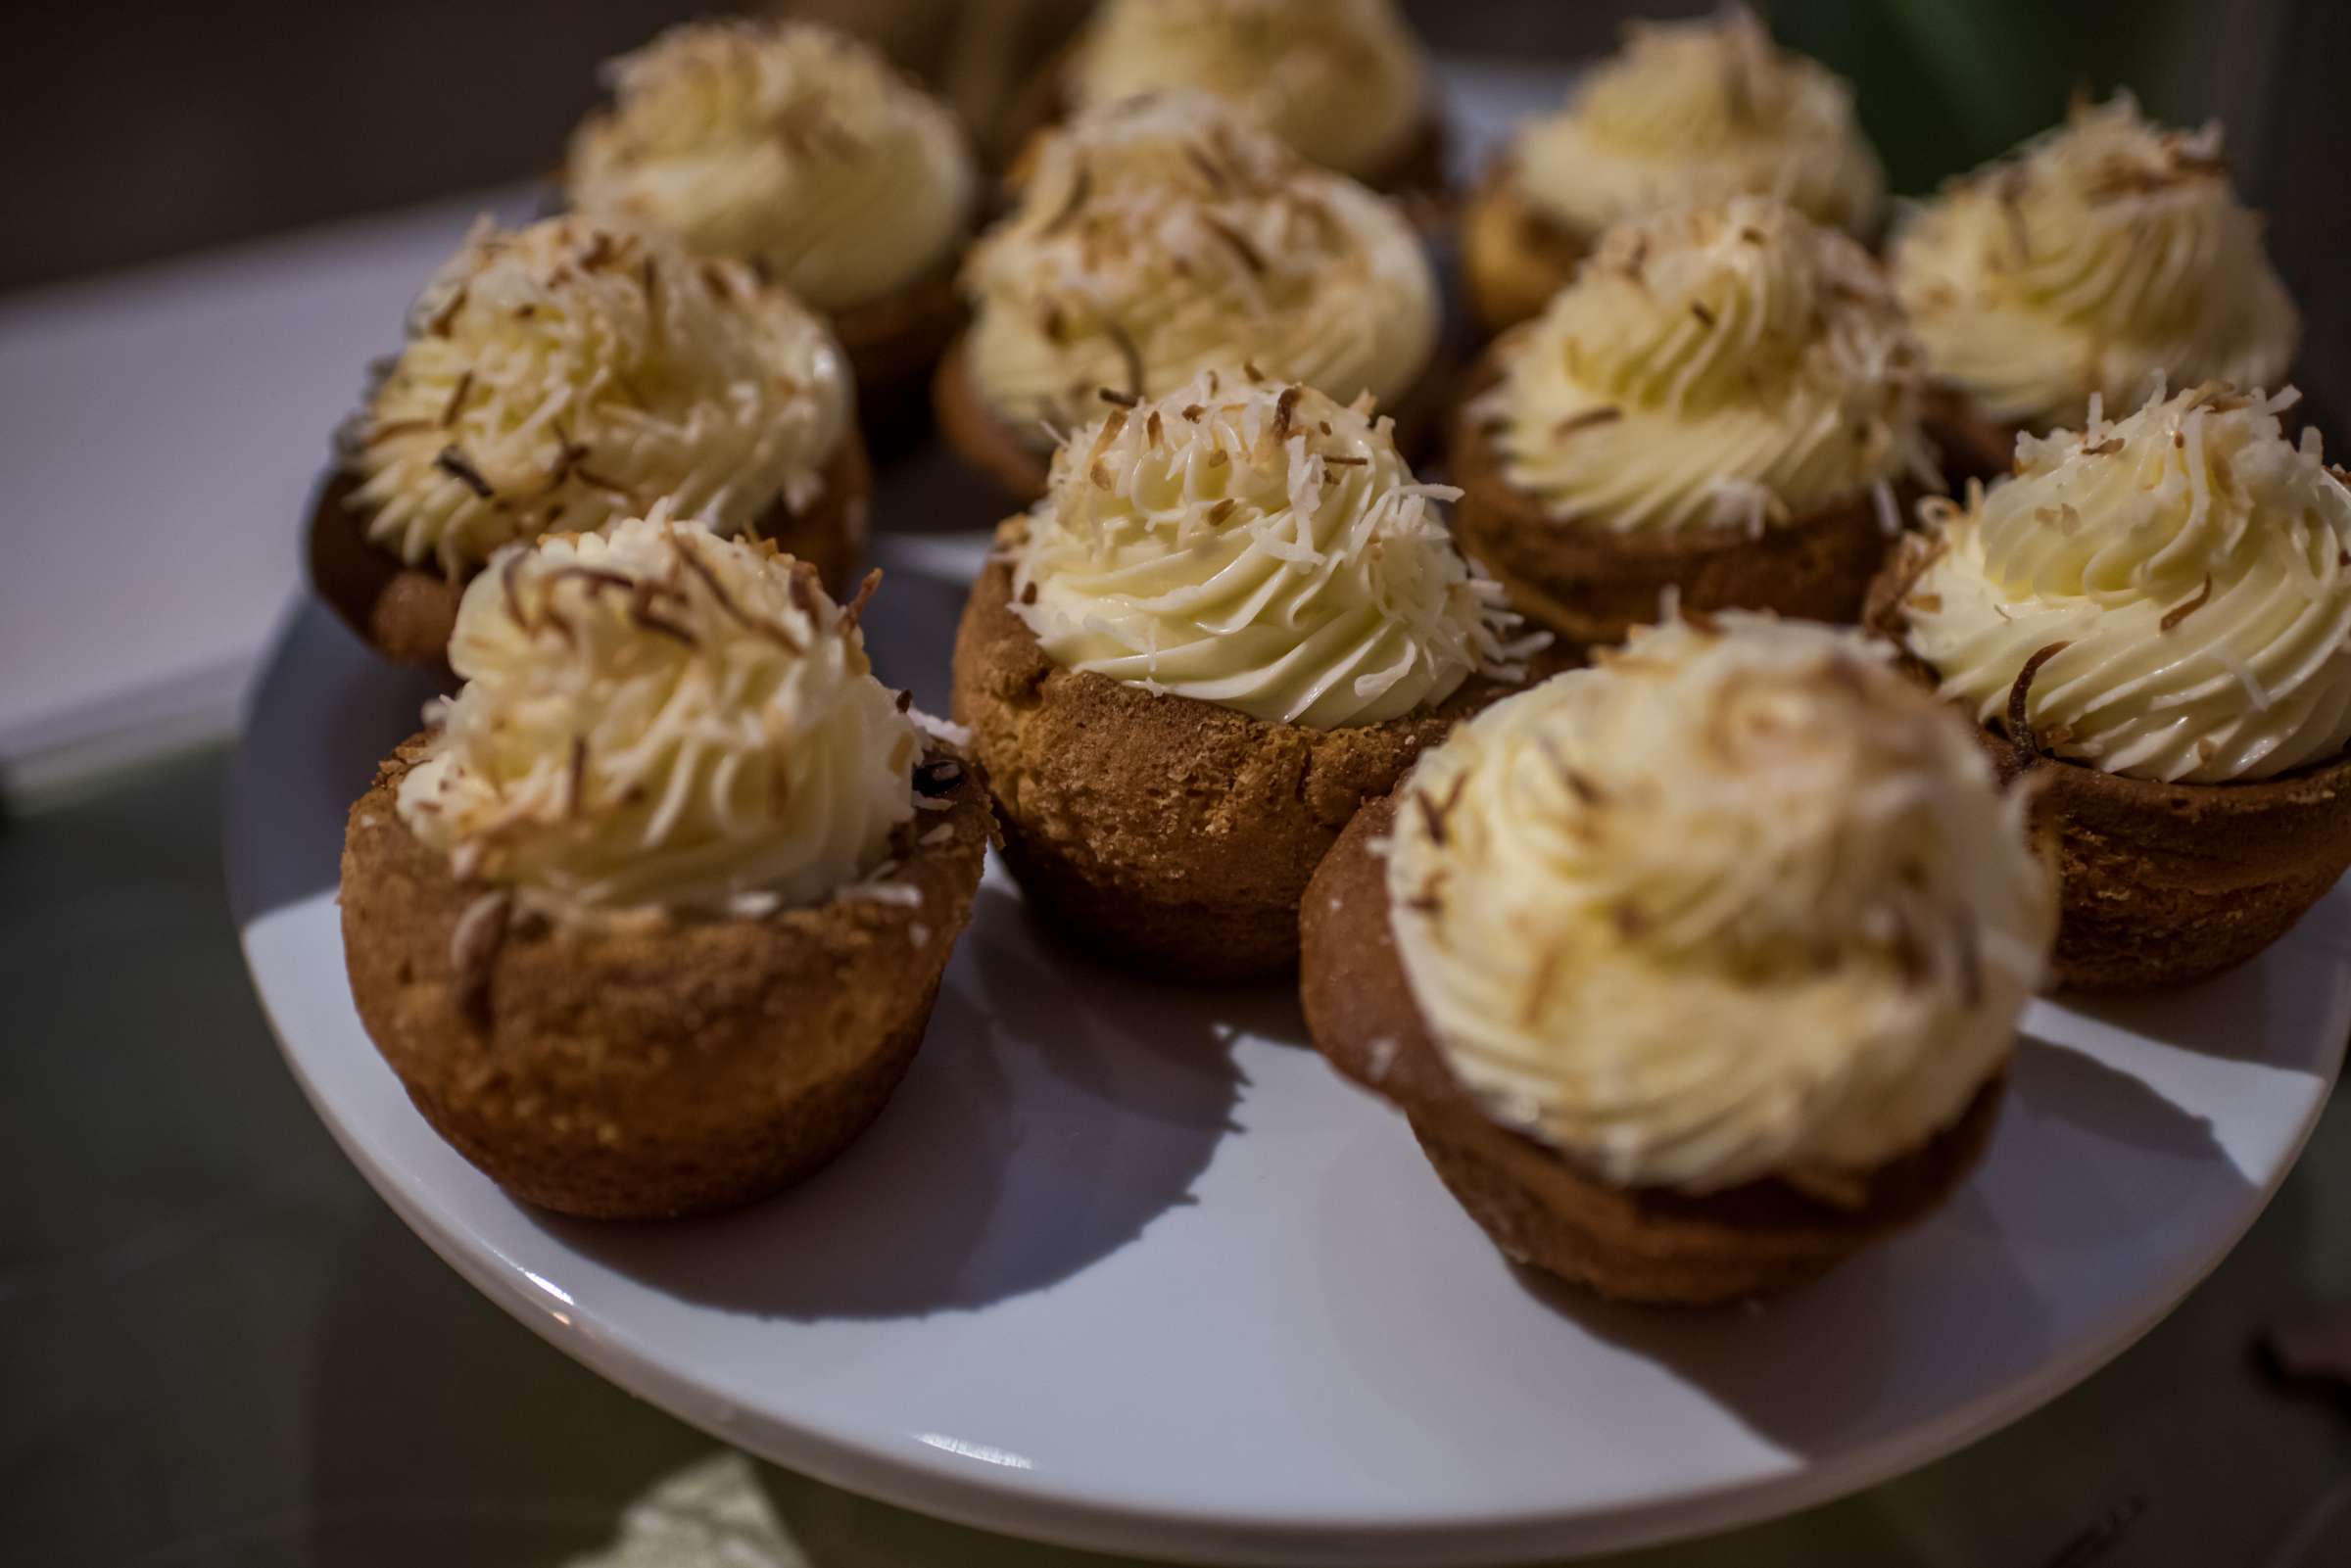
x,y
142,130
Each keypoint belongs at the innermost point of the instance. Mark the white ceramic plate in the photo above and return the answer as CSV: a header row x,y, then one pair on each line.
x,y
1127,1267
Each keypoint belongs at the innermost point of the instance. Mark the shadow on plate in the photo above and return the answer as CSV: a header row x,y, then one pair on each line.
x,y
1952,1311
1056,1109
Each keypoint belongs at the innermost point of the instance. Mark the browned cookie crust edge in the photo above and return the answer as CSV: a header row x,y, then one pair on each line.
x,y
1648,1245
1172,833
1513,258
407,613
1592,585
1970,446
892,345
643,1074
2160,884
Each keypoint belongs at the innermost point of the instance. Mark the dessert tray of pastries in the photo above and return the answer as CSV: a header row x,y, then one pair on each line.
x,y
1381,911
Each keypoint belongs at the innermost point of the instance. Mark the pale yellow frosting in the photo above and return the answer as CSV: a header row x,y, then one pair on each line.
x,y
1161,236
1741,902
661,719
1258,545
1340,80
784,143
1698,112
567,375
2191,566
1731,365
2093,260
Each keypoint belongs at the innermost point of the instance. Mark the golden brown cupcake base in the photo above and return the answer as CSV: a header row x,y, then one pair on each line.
x,y
2159,884
998,451
407,613
1648,1244
1513,257
1593,585
641,1074
892,345
1166,833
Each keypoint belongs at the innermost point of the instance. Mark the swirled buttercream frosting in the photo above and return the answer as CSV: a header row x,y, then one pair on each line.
x,y
1733,364
1340,80
784,143
2094,258
659,718
1741,902
1258,545
1159,236
567,375
2167,596
1700,112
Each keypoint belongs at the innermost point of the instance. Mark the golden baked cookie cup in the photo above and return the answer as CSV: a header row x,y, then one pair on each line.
x,y
630,1073
1593,585
1167,833
1513,257
1648,1244
2159,884
405,612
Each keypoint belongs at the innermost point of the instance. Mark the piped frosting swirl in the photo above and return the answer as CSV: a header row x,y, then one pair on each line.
x,y
1341,81
1257,546
784,143
1157,237
2167,596
1733,364
661,719
1739,903
2093,260
1701,112
568,375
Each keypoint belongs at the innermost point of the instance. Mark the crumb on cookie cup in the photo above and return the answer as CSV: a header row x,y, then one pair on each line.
x,y
2152,619
1722,407
1154,238
799,150
562,377
1686,111
648,922
1233,621
1686,1020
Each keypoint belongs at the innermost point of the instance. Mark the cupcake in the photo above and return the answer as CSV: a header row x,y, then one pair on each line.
x,y
1723,405
650,919
566,376
1695,971
2090,260
1687,112
1155,238
1234,617
798,149
2153,618
1343,82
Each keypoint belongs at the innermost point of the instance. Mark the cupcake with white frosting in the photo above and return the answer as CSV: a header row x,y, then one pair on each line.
x,y
2093,261
1155,238
1235,616
650,917
802,151
1697,970
1344,82
2153,615
1724,406
562,377
1688,112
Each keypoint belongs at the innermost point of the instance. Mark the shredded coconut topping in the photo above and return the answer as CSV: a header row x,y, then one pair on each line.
x,y
567,375
661,719
1254,544
1739,902
1159,236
